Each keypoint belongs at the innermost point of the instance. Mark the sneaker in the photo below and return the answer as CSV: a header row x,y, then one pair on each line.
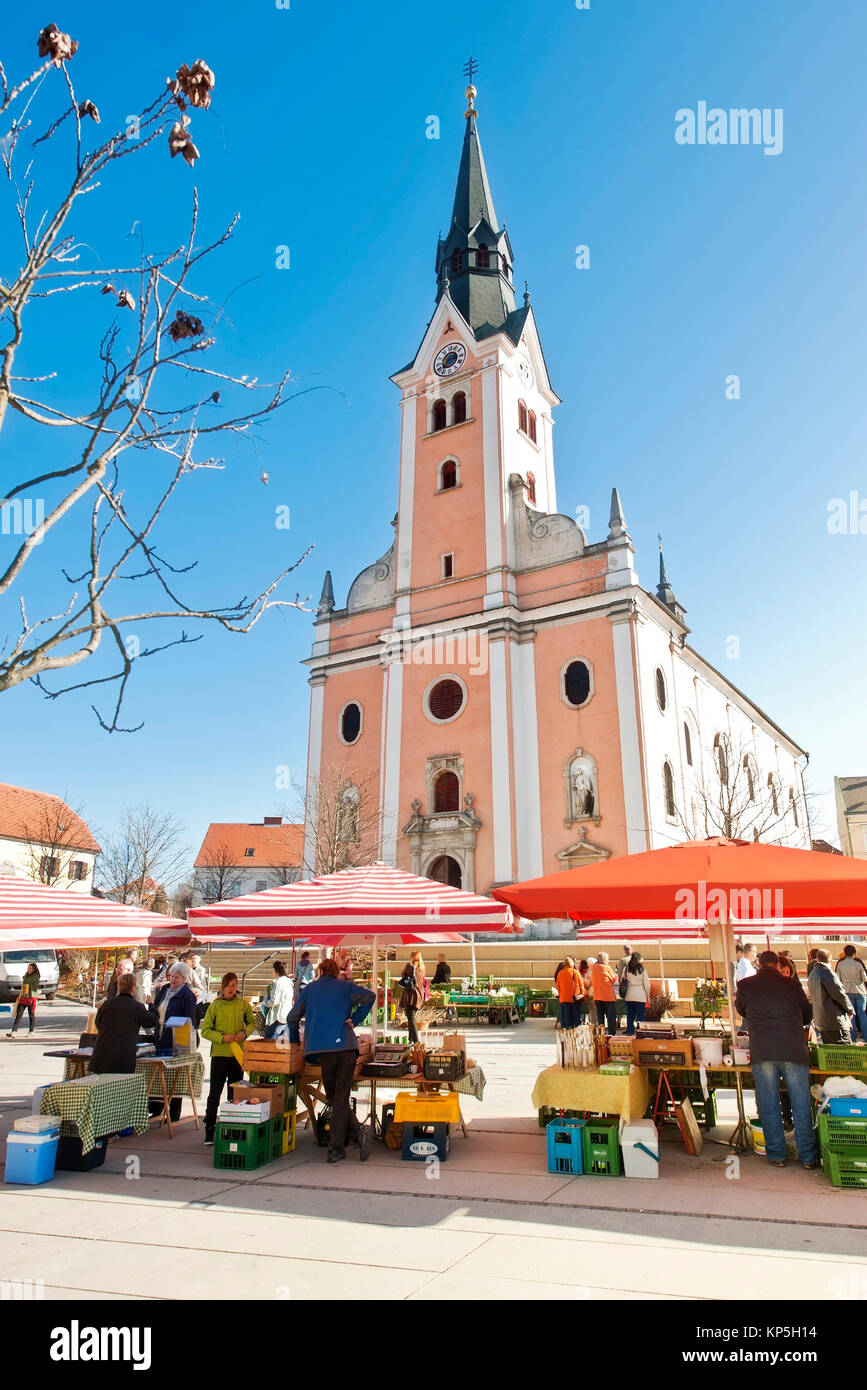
x,y
777,1162
10,1035
336,1156
209,1138
364,1143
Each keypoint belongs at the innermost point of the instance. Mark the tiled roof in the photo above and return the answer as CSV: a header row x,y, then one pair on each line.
x,y
853,792
273,845
37,816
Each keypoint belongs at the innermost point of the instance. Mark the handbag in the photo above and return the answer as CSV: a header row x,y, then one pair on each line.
x,y
623,986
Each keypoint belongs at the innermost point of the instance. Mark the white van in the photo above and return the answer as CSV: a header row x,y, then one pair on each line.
x,y
14,963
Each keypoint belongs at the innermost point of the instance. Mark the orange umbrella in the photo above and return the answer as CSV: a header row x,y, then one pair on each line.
x,y
707,880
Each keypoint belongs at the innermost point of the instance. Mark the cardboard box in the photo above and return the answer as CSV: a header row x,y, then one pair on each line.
x,y
455,1042
273,1096
654,1051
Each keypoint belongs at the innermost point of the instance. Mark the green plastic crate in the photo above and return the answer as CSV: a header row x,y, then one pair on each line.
x,y
289,1084
842,1133
845,1170
242,1144
841,1057
601,1139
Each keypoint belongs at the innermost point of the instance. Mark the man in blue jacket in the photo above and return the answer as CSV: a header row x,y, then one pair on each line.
x,y
330,1007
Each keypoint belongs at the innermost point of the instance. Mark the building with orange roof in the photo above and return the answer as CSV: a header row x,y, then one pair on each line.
x,y
42,838
247,857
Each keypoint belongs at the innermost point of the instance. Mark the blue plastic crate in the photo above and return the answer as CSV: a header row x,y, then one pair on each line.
x,y
847,1105
565,1146
30,1158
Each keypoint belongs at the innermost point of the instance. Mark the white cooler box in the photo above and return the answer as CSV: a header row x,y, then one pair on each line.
x,y
636,1138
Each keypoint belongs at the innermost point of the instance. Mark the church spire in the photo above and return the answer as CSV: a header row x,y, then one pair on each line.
x,y
474,262
664,591
326,598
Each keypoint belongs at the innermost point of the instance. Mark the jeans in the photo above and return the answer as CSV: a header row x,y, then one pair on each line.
x,y
338,1069
859,1019
606,1013
224,1071
796,1076
31,1014
635,1011
568,1014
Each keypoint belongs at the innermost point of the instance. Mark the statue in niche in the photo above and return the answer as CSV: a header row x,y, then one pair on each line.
x,y
583,792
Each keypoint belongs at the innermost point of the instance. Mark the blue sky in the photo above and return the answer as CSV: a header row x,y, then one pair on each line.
x,y
705,261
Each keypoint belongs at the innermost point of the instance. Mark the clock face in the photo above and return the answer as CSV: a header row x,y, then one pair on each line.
x,y
450,359
525,371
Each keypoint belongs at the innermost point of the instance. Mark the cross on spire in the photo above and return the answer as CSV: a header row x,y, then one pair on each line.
x,y
470,69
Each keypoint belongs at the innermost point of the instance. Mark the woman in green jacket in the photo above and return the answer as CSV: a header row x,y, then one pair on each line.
x,y
229,1019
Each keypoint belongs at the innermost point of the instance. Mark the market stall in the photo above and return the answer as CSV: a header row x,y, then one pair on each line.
x,y
97,1106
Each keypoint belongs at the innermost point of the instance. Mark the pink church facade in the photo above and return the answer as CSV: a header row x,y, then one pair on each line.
x,y
519,703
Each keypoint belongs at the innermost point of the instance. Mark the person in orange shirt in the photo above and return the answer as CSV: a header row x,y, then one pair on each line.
x,y
570,988
604,980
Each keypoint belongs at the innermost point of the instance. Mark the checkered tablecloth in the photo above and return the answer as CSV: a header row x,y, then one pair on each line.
x,y
473,1084
174,1070
97,1105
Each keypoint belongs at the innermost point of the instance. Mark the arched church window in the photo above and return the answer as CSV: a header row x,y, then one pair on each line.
x,y
459,408
531,425
531,489
750,776
447,792
522,417
661,692
793,802
440,419
457,261
576,683
722,759
448,475
772,788
668,789
350,722
687,744
483,257
446,870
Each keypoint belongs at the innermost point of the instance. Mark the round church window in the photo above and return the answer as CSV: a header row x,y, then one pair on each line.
x,y
445,700
350,722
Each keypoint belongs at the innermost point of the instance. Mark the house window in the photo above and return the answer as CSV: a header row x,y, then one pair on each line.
x,y
49,868
793,802
522,417
775,800
531,489
350,722
445,700
77,869
248,853
719,747
457,262
448,475
449,565
661,692
687,745
483,257
751,781
531,425
459,408
447,792
439,415
668,788
446,870
576,683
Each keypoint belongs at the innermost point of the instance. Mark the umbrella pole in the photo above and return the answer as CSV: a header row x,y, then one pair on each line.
x,y
473,952
738,1137
95,973
375,992
661,968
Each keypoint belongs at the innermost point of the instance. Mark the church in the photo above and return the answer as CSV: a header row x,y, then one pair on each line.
x,y
498,684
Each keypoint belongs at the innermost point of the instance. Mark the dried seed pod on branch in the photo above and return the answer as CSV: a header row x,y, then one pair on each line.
x,y
196,83
181,142
185,326
88,108
57,46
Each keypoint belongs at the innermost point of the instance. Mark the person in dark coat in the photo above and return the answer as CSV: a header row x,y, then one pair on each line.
x,y
118,1021
777,1012
175,999
831,1008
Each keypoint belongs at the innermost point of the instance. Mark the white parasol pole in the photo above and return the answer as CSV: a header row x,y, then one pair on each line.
x,y
661,967
376,992
473,952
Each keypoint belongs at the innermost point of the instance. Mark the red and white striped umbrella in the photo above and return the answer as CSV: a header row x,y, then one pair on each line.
x,y
373,898
385,938
37,914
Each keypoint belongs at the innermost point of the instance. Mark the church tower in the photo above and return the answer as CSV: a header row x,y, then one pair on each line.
x,y
484,683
